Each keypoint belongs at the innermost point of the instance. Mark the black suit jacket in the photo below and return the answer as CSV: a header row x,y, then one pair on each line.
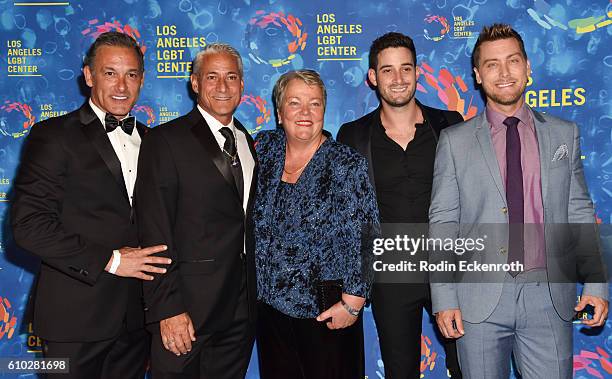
x,y
71,209
186,198
358,134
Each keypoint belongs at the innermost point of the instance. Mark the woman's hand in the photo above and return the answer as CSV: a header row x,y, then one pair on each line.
x,y
340,316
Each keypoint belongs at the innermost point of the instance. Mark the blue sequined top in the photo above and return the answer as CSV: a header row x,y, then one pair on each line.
x,y
311,230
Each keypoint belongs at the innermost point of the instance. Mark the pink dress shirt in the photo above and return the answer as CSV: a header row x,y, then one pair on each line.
x,y
535,251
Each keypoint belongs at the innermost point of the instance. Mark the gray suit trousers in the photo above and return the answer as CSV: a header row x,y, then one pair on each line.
x,y
523,324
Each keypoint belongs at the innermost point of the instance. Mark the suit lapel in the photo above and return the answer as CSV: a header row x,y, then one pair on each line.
x,y
142,129
483,135
204,135
251,144
94,131
434,119
543,136
365,144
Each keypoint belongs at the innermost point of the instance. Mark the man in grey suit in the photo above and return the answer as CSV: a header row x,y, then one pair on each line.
x,y
512,165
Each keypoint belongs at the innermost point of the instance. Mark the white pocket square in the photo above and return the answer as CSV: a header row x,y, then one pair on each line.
x,y
561,153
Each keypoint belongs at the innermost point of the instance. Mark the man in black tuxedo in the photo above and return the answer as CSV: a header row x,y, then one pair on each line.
x,y
195,193
73,208
399,140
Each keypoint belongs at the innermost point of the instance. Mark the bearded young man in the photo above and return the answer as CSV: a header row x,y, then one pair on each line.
x,y
399,140
516,168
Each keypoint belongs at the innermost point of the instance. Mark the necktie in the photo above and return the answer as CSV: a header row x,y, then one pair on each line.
x,y
514,192
127,124
230,151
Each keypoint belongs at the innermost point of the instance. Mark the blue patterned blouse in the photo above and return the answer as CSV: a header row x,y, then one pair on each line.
x,y
311,230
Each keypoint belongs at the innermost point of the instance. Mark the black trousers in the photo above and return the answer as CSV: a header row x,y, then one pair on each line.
x,y
221,355
293,348
398,314
125,356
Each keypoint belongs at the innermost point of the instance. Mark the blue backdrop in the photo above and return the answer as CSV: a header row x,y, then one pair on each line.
x,y
40,75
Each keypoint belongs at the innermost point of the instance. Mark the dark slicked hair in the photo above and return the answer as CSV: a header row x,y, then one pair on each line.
x,y
113,39
496,32
392,39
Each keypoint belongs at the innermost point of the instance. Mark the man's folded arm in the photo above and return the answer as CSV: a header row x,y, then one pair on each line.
x,y
155,202
35,213
443,223
591,266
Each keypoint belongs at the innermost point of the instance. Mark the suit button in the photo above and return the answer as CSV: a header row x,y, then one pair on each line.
x,y
502,250
504,210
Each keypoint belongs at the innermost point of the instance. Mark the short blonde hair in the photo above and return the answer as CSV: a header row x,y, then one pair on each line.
x,y
310,77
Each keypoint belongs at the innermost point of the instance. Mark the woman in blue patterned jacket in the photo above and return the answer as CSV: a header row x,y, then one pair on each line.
x,y
315,212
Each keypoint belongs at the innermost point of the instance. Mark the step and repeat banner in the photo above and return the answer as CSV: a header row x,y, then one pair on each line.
x,y
43,44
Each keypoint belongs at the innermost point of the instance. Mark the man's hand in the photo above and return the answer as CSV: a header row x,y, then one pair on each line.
x,y
340,317
136,262
601,309
450,323
177,333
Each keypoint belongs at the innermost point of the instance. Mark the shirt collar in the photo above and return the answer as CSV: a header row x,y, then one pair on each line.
x,y
496,119
213,123
100,113
418,125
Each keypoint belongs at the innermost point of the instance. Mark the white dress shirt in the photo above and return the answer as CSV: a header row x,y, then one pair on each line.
x,y
126,147
247,162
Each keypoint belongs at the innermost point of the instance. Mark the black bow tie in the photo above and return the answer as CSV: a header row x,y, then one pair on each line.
x,y
111,123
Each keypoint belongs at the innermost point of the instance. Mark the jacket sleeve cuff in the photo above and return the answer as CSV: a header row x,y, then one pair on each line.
x,y
169,309
357,289
443,297
600,290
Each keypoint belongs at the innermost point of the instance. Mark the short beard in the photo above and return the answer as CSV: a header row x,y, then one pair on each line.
x,y
398,104
506,101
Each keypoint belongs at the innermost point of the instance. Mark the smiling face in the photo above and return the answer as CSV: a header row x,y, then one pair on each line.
x,y
219,85
395,76
302,111
503,73
115,79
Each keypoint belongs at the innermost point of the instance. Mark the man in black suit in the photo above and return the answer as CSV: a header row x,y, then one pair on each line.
x,y
399,140
72,208
195,193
